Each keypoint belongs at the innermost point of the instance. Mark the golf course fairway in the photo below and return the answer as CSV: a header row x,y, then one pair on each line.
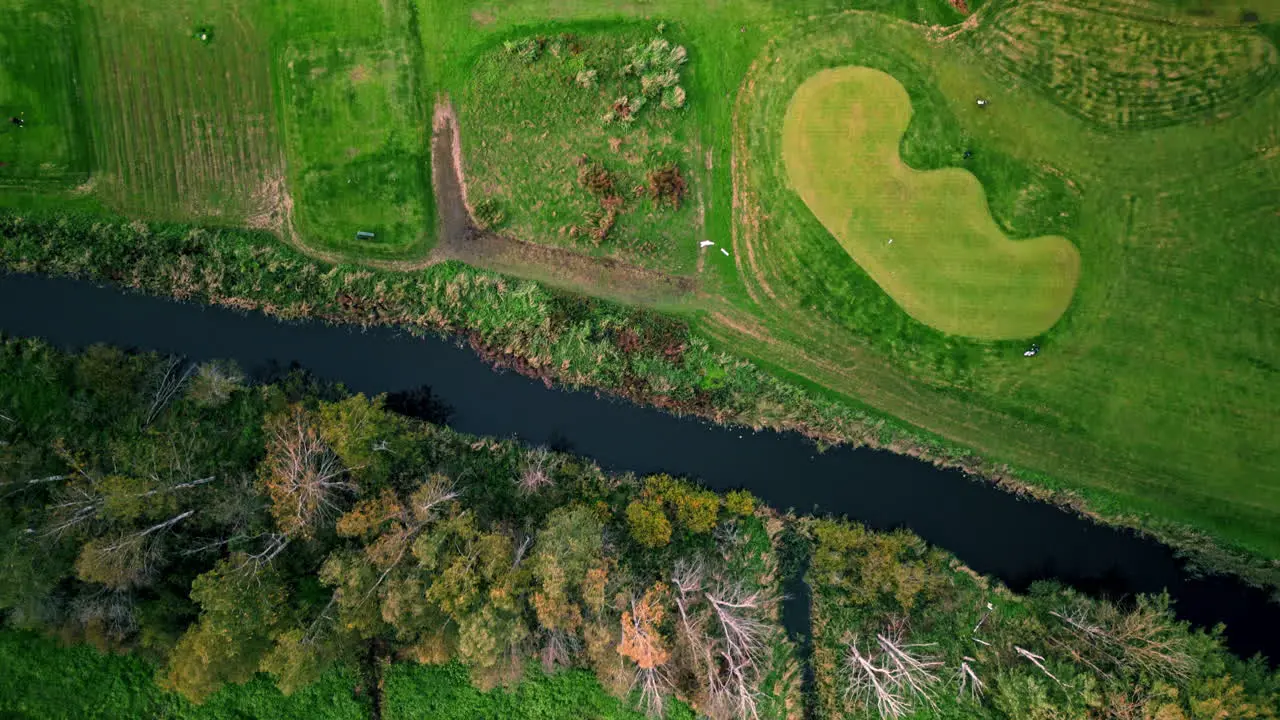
x,y
926,237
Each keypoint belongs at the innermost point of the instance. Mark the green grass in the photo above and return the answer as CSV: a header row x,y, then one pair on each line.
x,y
526,124
42,680
182,128
1124,69
47,681
444,692
37,64
355,128
926,238
1155,392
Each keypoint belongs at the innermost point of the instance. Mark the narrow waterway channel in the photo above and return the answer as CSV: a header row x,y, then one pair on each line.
x,y
993,532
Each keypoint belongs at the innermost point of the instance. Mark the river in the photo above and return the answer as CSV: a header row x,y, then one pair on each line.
x,y
991,531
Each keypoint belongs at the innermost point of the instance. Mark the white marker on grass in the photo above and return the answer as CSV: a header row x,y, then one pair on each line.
x,y
726,252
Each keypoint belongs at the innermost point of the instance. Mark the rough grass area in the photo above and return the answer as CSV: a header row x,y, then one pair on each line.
x,y
37,81
182,127
1120,68
1156,391
44,680
560,143
355,128
927,238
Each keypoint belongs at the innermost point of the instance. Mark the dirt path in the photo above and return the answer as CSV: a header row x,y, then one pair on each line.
x,y
460,238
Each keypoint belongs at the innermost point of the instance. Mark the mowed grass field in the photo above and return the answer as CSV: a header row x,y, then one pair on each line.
x,y
181,128
1155,393
37,64
356,125
925,237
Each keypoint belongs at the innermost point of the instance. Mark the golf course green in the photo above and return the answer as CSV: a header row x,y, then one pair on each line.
x,y
927,238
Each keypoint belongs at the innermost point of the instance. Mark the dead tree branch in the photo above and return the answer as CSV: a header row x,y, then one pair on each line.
x,y
1038,661
970,685
167,386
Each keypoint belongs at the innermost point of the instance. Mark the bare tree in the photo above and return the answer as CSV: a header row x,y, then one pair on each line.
x,y
654,686
742,639
535,470
110,610
302,474
558,648
170,378
722,629
18,486
1138,640
77,504
274,544
894,676
868,683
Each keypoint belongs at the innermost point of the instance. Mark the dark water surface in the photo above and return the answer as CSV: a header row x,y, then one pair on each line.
x,y
993,532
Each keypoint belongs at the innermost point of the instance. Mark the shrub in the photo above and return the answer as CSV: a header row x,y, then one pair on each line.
x,y
489,215
586,79
595,177
673,98
740,502
667,186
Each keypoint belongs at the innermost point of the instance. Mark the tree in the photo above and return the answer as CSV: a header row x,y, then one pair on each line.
x,y
213,383
696,510
567,567
648,522
301,474
722,634
240,615
643,643
894,677
887,569
373,586
300,656
361,432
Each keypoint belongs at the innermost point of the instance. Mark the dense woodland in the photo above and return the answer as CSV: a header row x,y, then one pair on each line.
x,y
222,529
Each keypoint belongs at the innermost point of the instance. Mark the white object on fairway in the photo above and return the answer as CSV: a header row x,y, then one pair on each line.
x,y
726,252
705,243
890,241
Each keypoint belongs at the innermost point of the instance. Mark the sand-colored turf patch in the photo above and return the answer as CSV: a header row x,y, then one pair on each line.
x,y
949,265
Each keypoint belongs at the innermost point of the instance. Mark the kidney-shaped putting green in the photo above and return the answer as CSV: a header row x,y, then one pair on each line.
x,y
949,265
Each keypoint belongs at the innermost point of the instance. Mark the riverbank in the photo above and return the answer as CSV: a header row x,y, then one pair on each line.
x,y
564,339
991,531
